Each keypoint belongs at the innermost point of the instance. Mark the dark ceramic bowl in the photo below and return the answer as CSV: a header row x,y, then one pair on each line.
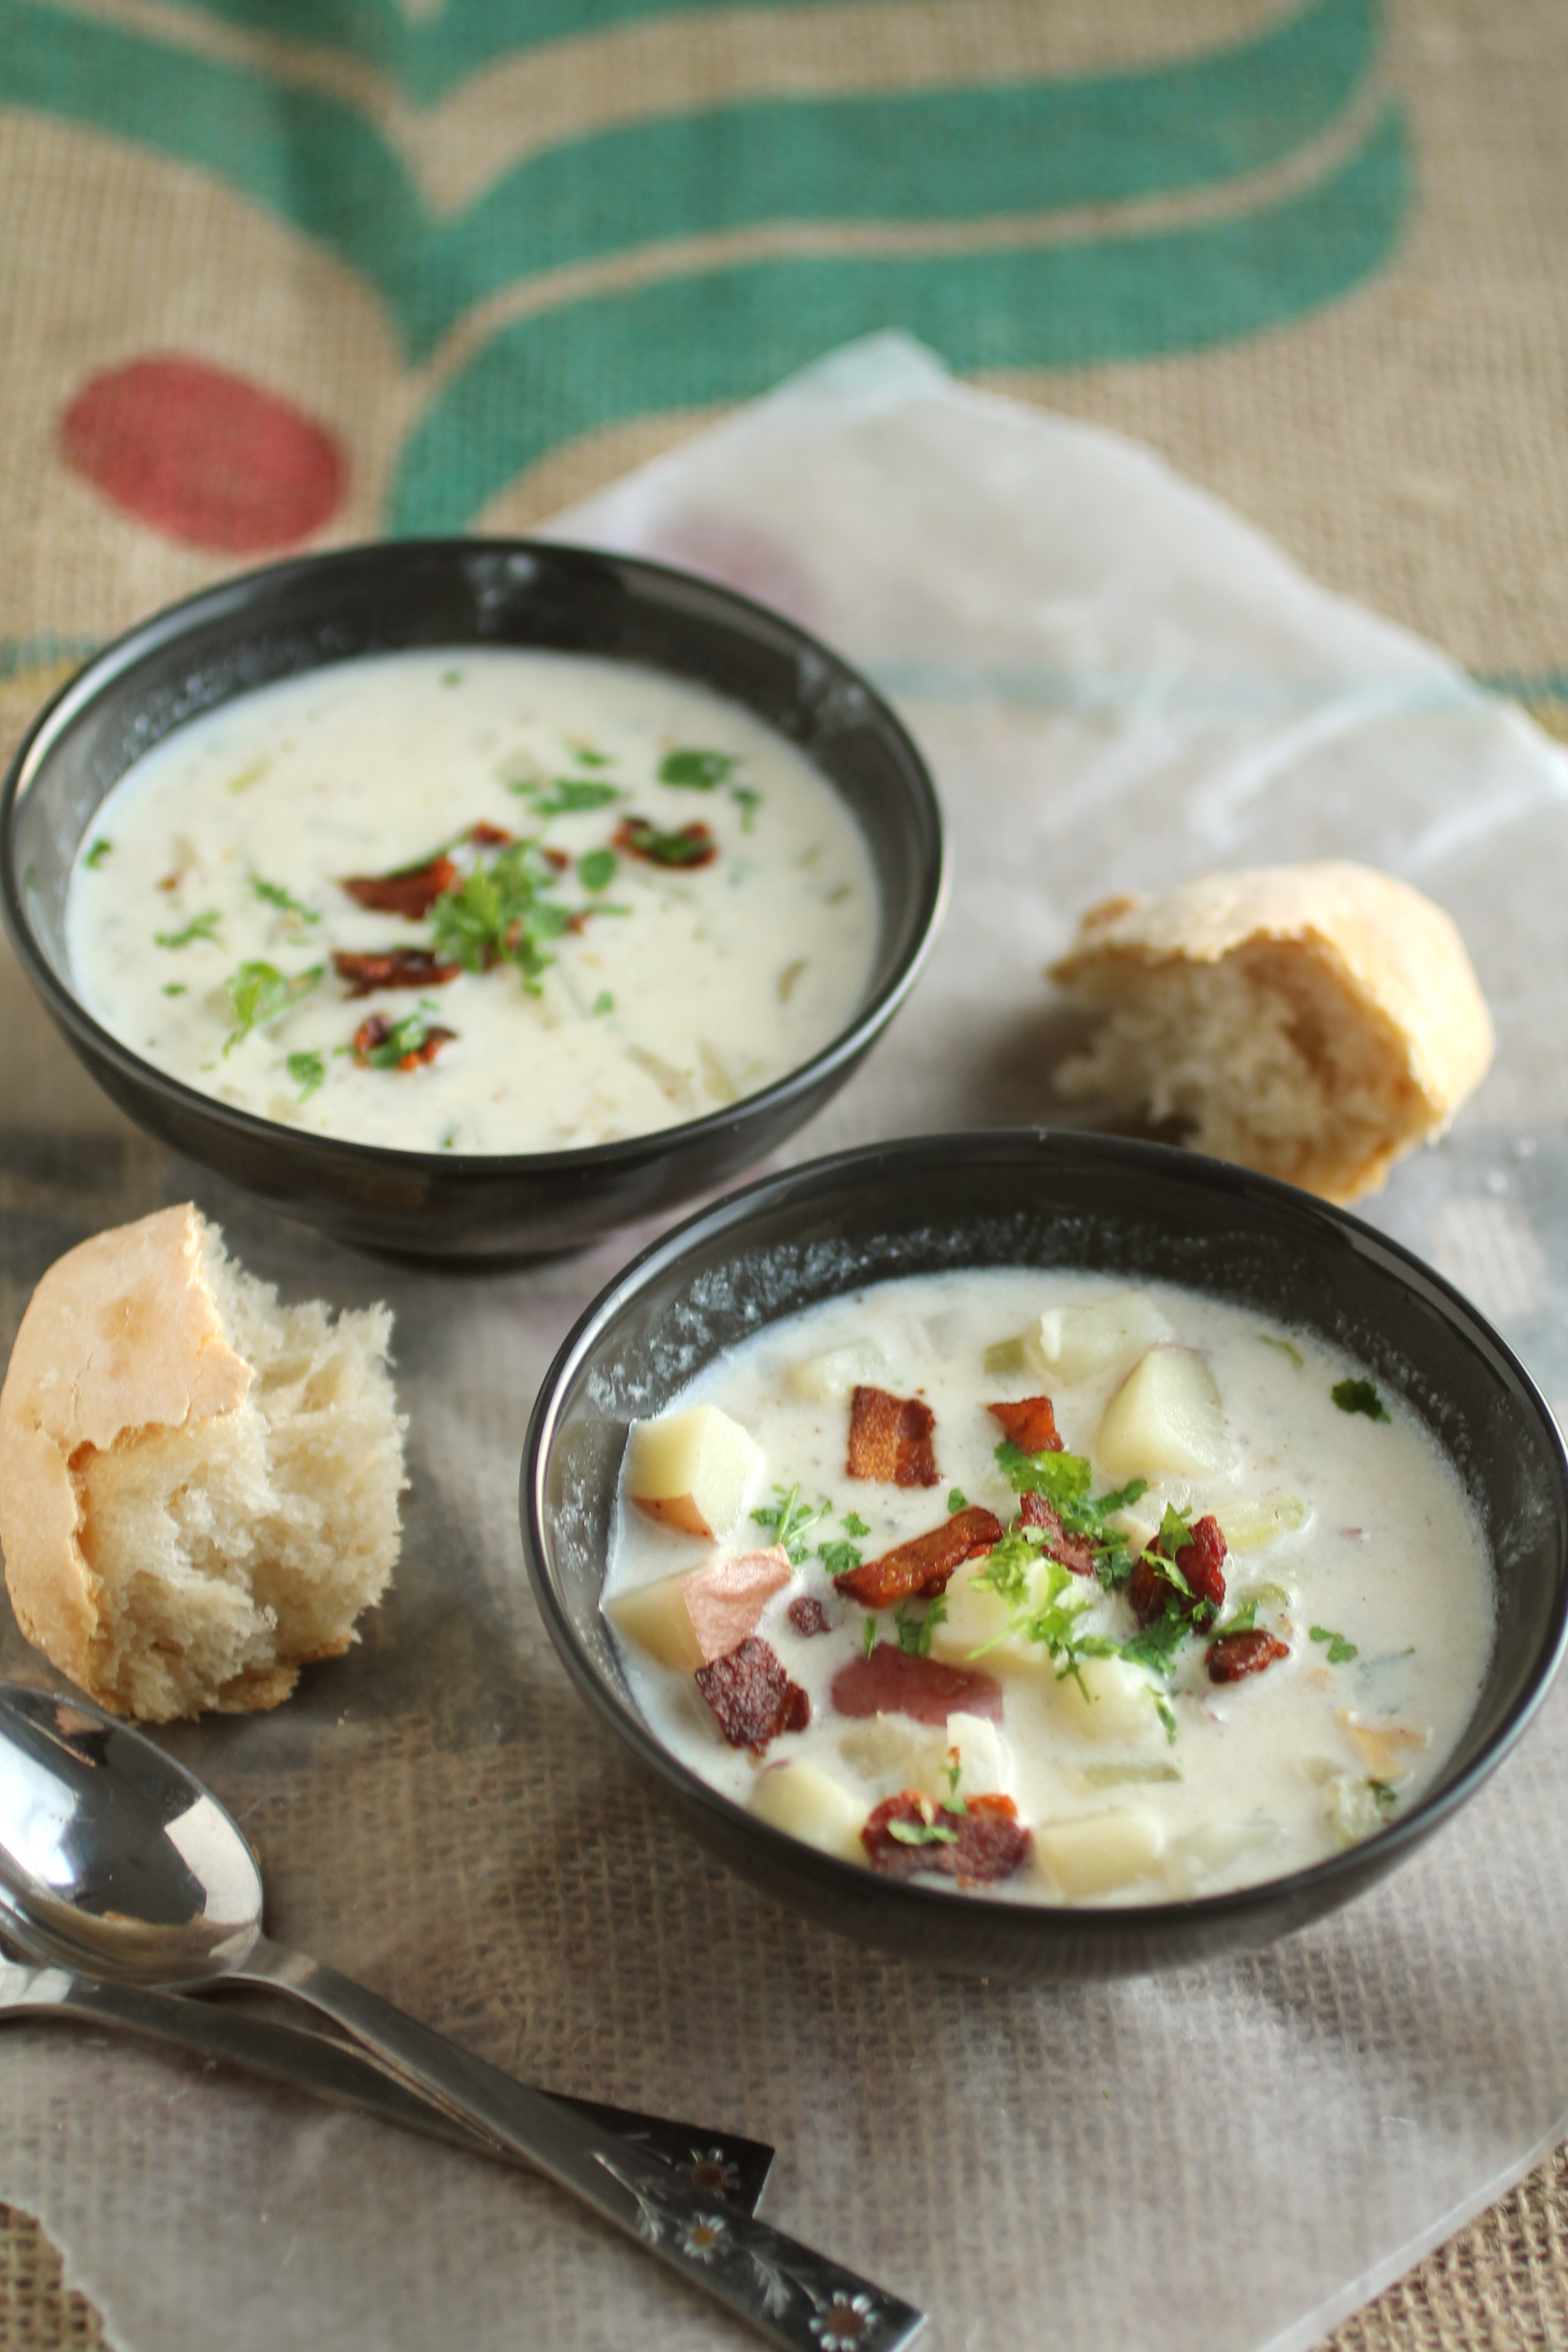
x,y
299,616
1030,1199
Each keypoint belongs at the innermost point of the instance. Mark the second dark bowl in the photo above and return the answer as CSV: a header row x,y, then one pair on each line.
x,y
1087,1203
302,615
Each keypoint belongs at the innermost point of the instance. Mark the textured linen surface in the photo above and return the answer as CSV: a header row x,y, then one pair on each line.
x,y
285,276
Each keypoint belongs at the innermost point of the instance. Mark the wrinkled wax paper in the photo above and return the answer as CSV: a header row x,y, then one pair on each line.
x,y
1118,683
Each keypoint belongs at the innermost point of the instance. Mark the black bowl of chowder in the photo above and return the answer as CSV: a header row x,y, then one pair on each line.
x,y
470,898
1047,1555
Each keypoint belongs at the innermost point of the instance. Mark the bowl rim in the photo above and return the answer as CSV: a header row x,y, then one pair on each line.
x,y
329,1153
1109,1924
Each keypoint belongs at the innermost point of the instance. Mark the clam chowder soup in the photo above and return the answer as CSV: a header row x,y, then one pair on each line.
x,y
480,900
1041,1585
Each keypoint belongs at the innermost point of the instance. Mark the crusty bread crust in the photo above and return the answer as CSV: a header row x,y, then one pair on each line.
x,y
1370,980
124,1403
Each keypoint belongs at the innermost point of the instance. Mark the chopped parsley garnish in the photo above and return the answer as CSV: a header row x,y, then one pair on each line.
x,y
258,994
958,1500
568,795
501,913
1341,1652
1242,1621
402,1041
854,1523
273,894
838,1559
922,1834
308,1071
596,868
788,1520
98,852
1284,1347
587,756
451,678
698,771
748,801
1167,1716
605,1002
200,927
1064,1479
175,988
869,1635
915,1633
690,845
1359,1396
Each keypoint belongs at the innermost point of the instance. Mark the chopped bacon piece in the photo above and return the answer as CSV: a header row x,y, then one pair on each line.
x,y
889,1439
557,858
490,836
807,1615
411,892
752,1696
393,968
1151,1593
1031,1423
925,1562
1076,1552
692,845
377,1031
984,1843
894,1681
1235,1654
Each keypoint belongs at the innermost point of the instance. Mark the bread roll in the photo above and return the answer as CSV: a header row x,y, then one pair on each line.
x,y
1313,1022
198,1487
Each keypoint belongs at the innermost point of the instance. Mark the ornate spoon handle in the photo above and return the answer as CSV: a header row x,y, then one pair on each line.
x,y
798,2298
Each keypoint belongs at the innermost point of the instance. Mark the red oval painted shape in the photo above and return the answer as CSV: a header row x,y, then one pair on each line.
x,y
892,1682
203,456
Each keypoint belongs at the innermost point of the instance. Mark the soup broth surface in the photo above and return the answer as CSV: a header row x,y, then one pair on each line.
x,y
1352,1567
475,900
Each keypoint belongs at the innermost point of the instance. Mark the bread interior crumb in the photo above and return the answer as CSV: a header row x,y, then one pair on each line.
x,y
229,1552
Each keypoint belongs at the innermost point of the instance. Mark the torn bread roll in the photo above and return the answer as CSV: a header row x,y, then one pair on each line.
x,y
1313,1022
198,1487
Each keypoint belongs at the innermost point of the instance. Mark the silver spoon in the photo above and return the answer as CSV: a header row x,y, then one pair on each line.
x,y
116,1860
719,2163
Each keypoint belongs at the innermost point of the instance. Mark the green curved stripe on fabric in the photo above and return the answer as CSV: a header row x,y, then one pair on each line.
x,y
726,334
953,154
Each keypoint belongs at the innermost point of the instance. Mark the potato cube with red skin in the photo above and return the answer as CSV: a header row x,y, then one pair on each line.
x,y
692,1471
688,1620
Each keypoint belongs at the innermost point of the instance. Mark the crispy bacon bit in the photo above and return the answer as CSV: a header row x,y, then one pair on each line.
x,y
1031,1423
752,1696
692,845
894,1681
411,892
889,1439
557,858
1076,1552
924,1563
393,968
807,1615
1235,1654
984,1843
377,1031
1151,1593
491,836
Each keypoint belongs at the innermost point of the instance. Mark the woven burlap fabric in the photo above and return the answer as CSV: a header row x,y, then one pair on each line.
x,y
1402,435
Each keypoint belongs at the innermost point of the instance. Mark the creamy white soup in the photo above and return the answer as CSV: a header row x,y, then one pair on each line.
x,y
478,900
1039,1586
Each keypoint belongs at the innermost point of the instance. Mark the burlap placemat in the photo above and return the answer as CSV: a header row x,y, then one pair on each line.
x,y
400,268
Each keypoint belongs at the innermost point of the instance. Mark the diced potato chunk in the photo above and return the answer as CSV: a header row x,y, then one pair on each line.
x,y
1108,1699
1080,1343
686,1621
1166,1415
983,1758
1249,1527
829,1378
693,1470
882,1748
810,1805
977,1619
1100,1851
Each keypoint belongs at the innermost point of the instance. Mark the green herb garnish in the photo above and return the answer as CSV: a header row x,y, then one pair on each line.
x,y
1359,1396
1284,1345
788,1520
596,868
308,1071
501,913
958,1500
98,852
838,1559
568,795
1064,1479
922,1834
587,756
259,994
698,771
915,1633
200,927
273,894
402,1039
1341,1652
868,1637
175,988
854,1523
605,1002
748,801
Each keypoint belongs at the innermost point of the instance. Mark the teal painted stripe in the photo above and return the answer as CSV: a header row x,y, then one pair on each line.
x,y
725,335
953,155
427,58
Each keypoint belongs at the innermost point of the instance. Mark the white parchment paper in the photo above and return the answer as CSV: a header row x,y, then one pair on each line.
x,y
1118,683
